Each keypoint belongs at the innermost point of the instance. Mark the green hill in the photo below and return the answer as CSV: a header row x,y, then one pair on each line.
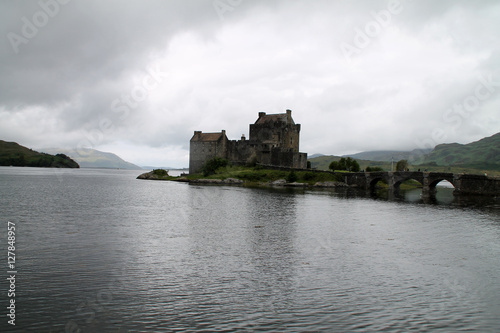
x,y
476,158
323,162
482,154
13,154
91,158
415,156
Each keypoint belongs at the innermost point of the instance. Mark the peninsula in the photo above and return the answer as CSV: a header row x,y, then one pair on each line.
x,y
13,154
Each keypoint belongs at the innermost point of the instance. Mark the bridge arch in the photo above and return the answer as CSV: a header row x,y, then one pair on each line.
x,y
436,178
397,183
434,183
373,183
373,178
463,183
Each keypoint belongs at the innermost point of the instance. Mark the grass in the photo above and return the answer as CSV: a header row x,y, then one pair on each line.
x,y
256,175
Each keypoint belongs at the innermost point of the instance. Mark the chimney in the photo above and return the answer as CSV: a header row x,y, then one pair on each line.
x,y
223,132
261,114
243,137
289,115
197,132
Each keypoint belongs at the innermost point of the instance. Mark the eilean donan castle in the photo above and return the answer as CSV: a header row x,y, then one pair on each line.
x,y
274,140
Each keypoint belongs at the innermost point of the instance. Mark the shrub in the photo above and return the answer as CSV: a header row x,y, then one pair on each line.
x,y
160,172
348,164
252,160
402,165
292,177
334,165
212,165
373,169
309,176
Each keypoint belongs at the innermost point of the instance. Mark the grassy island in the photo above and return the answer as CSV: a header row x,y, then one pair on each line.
x,y
260,176
251,176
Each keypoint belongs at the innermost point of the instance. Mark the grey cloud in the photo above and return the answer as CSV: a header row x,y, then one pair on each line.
x,y
262,56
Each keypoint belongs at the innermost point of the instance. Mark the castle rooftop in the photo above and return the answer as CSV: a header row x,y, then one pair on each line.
x,y
277,117
207,137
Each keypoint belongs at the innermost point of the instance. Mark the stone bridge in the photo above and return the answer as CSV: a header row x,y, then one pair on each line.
x,y
463,183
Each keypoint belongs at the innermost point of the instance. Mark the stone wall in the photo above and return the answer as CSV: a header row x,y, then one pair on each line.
x,y
477,185
276,134
202,151
240,151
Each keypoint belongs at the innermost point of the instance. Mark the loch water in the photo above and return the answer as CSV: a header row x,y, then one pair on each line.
x,y
100,251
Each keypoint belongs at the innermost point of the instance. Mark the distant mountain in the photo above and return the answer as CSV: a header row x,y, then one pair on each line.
x,y
149,167
322,162
379,158
315,155
91,158
13,154
482,154
415,156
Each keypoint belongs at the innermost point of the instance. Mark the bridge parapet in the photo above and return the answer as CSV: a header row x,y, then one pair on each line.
x,y
477,184
463,183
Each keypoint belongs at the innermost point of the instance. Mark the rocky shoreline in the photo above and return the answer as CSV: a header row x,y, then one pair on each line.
x,y
276,183
234,181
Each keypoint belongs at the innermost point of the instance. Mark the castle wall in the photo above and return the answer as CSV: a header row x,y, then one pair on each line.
x,y
288,158
302,160
241,152
276,134
291,137
202,151
274,140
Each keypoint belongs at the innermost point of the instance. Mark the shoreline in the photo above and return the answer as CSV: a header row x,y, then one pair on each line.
x,y
162,175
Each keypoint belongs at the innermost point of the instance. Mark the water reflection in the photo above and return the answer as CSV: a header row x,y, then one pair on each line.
x,y
443,197
107,253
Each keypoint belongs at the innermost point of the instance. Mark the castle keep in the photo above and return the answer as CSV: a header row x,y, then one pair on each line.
x,y
274,140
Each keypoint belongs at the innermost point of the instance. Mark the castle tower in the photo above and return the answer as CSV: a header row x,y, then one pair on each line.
x,y
276,131
204,146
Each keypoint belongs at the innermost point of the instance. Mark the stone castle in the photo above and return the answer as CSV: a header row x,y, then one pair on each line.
x,y
274,140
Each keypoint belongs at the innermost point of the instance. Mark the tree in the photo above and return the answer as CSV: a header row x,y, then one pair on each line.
x,y
345,164
213,164
292,177
334,165
352,165
373,169
402,165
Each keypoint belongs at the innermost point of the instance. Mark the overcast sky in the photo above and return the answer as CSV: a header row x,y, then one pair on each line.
x,y
136,78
